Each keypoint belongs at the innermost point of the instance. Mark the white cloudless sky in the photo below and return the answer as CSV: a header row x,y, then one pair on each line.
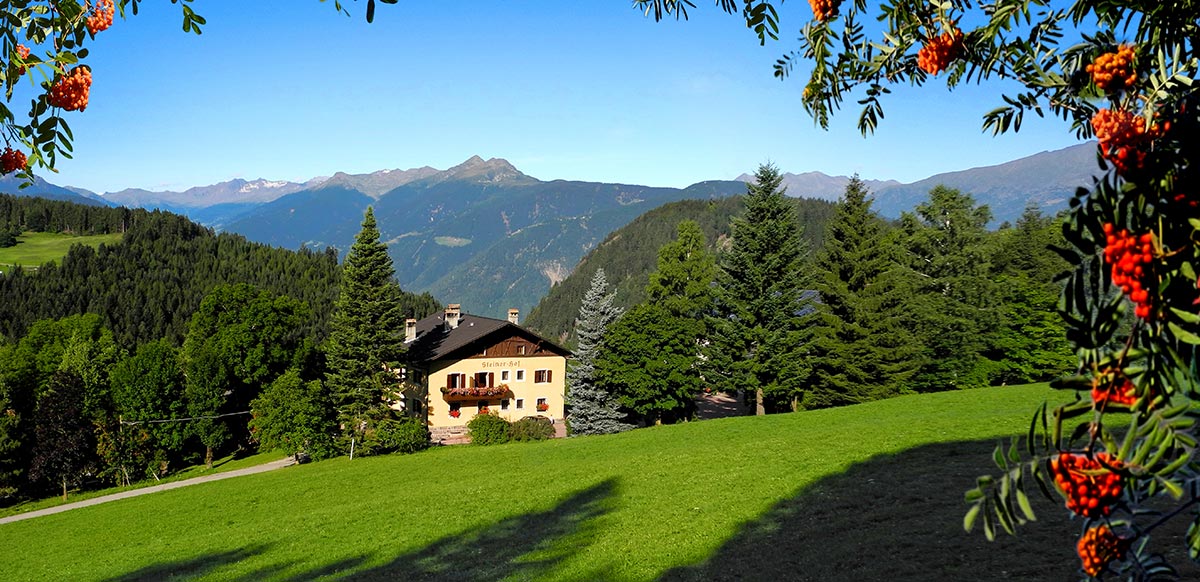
x,y
587,89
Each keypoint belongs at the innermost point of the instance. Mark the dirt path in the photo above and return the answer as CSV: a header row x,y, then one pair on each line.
x,y
153,489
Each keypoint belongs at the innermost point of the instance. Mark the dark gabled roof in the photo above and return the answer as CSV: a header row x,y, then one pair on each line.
x,y
436,342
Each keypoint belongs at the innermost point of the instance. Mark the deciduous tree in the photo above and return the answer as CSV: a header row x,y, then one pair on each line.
x,y
148,391
239,340
64,447
294,416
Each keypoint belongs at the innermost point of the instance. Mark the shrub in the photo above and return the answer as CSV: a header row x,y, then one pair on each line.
x,y
406,435
532,428
489,429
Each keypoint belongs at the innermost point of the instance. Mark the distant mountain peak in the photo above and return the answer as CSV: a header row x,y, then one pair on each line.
x,y
476,169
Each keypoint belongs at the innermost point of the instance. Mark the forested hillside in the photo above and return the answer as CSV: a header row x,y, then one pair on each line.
x,y
147,287
629,254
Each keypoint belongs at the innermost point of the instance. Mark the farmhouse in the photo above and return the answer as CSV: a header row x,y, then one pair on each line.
x,y
461,365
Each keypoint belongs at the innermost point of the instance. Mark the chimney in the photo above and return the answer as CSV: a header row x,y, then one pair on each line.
x,y
514,315
452,315
410,330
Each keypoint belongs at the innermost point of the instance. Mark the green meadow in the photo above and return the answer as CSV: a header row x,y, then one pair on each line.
x,y
866,492
37,248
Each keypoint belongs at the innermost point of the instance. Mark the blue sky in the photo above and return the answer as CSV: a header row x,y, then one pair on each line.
x,y
586,89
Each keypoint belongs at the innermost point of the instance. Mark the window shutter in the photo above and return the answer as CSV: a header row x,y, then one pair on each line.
x,y
450,380
491,379
549,375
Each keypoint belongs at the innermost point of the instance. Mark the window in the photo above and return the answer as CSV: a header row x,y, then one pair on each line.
x,y
456,380
504,404
483,409
521,350
484,379
541,376
504,375
542,405
520,403
520,375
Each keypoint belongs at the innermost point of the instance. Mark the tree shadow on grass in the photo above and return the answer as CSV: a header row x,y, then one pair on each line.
x,y
899,517
521,547
190,569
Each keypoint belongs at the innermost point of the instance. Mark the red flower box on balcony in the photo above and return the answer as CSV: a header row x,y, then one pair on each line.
x,y
543,407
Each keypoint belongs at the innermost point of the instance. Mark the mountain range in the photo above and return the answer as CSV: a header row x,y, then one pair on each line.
x,y
489,236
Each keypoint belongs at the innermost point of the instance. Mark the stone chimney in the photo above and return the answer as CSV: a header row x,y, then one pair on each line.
x,y
514,316
410,330
453,312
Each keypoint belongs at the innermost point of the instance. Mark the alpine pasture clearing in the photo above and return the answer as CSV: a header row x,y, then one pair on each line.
x,y
34,249
867,492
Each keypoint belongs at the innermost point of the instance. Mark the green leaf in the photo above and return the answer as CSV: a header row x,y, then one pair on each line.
x,y
972,514
1186,316
1026,507
1172,487
1184,335
998,457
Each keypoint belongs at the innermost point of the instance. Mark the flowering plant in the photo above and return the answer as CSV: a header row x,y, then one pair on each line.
x,y
543,407
483,410
455,413
477,391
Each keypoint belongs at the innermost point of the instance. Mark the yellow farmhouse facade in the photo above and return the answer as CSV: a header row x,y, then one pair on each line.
x,y
463,365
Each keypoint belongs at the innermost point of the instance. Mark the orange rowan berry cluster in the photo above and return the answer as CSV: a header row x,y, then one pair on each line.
x,y
70,92
1113,72
1120,391
1091,488
940,51
1124,137
23,53
824,10
1098,547
11,160
1131,258
102,16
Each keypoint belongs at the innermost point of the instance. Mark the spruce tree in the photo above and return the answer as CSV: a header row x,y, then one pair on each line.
x,y
593,409
857,353
761,300
367,328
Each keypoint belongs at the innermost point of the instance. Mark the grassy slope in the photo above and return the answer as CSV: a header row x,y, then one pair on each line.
x,y
219,466
37,248
765,498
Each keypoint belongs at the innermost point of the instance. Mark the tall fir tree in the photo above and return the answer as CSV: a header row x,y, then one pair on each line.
x,y
955,304
593,409
761,300
856,351
367,328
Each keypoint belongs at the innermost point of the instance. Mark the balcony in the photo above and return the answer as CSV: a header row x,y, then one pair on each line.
x,y
475,393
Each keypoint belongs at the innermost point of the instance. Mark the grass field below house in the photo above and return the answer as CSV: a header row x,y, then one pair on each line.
x,y
867,492
34,249
222,465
